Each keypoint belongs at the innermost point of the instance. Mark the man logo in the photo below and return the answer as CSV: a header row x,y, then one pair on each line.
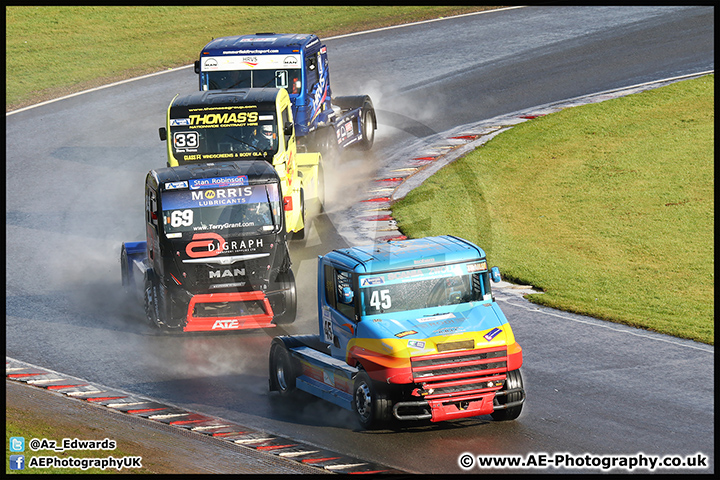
x,y
237,272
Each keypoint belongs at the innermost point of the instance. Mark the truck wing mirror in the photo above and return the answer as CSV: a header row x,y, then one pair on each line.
x,y
347,295
197,66
495,274
163,134
288,129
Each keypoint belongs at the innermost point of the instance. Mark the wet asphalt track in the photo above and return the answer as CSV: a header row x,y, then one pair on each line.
x,y
74,177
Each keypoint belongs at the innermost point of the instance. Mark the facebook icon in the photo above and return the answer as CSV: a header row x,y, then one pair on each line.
x,y
17,462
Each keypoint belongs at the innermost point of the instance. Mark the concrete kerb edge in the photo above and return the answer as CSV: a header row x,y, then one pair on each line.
x,y
113,399
488,129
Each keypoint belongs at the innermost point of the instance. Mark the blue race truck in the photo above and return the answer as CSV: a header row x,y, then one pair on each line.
x,y
215,256
409,330
298,63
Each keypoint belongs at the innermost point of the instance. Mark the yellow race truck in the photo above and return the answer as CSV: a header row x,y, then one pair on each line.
x,y
246,124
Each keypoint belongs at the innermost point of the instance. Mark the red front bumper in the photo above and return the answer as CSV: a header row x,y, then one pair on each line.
x,y
461,407
261,317
441,408
457,384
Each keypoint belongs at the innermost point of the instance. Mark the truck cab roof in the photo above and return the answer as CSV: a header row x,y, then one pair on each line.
x,y
407,254
239,96
278,43
257,171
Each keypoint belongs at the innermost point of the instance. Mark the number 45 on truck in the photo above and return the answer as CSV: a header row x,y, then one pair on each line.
x,y
408,330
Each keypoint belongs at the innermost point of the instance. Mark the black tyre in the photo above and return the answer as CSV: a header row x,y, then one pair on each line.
x,y
126,273
153,311
514,381
282,370
286,282
326,144
149,301
367,117
371,403
320,202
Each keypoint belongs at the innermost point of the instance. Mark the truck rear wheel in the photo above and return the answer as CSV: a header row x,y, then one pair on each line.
x,y
367,117
282,370
372,404
514,380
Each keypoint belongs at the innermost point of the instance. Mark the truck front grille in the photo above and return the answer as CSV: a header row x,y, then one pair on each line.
x,y
460,372
229,309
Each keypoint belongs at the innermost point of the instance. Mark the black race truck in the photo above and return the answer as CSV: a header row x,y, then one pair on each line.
x,y
215,256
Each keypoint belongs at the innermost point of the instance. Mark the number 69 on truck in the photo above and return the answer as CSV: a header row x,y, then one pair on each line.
x,y
215,256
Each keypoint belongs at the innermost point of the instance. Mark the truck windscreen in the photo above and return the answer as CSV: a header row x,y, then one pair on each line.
x,y
208,135
249,208
383,294
256,78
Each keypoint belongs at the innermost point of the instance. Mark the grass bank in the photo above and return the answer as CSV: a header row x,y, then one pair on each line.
x,y
51,51
608,208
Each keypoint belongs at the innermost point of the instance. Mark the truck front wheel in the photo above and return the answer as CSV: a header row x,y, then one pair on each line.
x,y
372,405
320,201
282,370
286,283
127,279
153,310
514,381
150,301
326,144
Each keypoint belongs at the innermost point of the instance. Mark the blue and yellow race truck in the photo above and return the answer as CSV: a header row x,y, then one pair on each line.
x,y
299,64
215,256
409,330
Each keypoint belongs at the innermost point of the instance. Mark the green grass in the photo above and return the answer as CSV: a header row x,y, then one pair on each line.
x,y
54,51
608,208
